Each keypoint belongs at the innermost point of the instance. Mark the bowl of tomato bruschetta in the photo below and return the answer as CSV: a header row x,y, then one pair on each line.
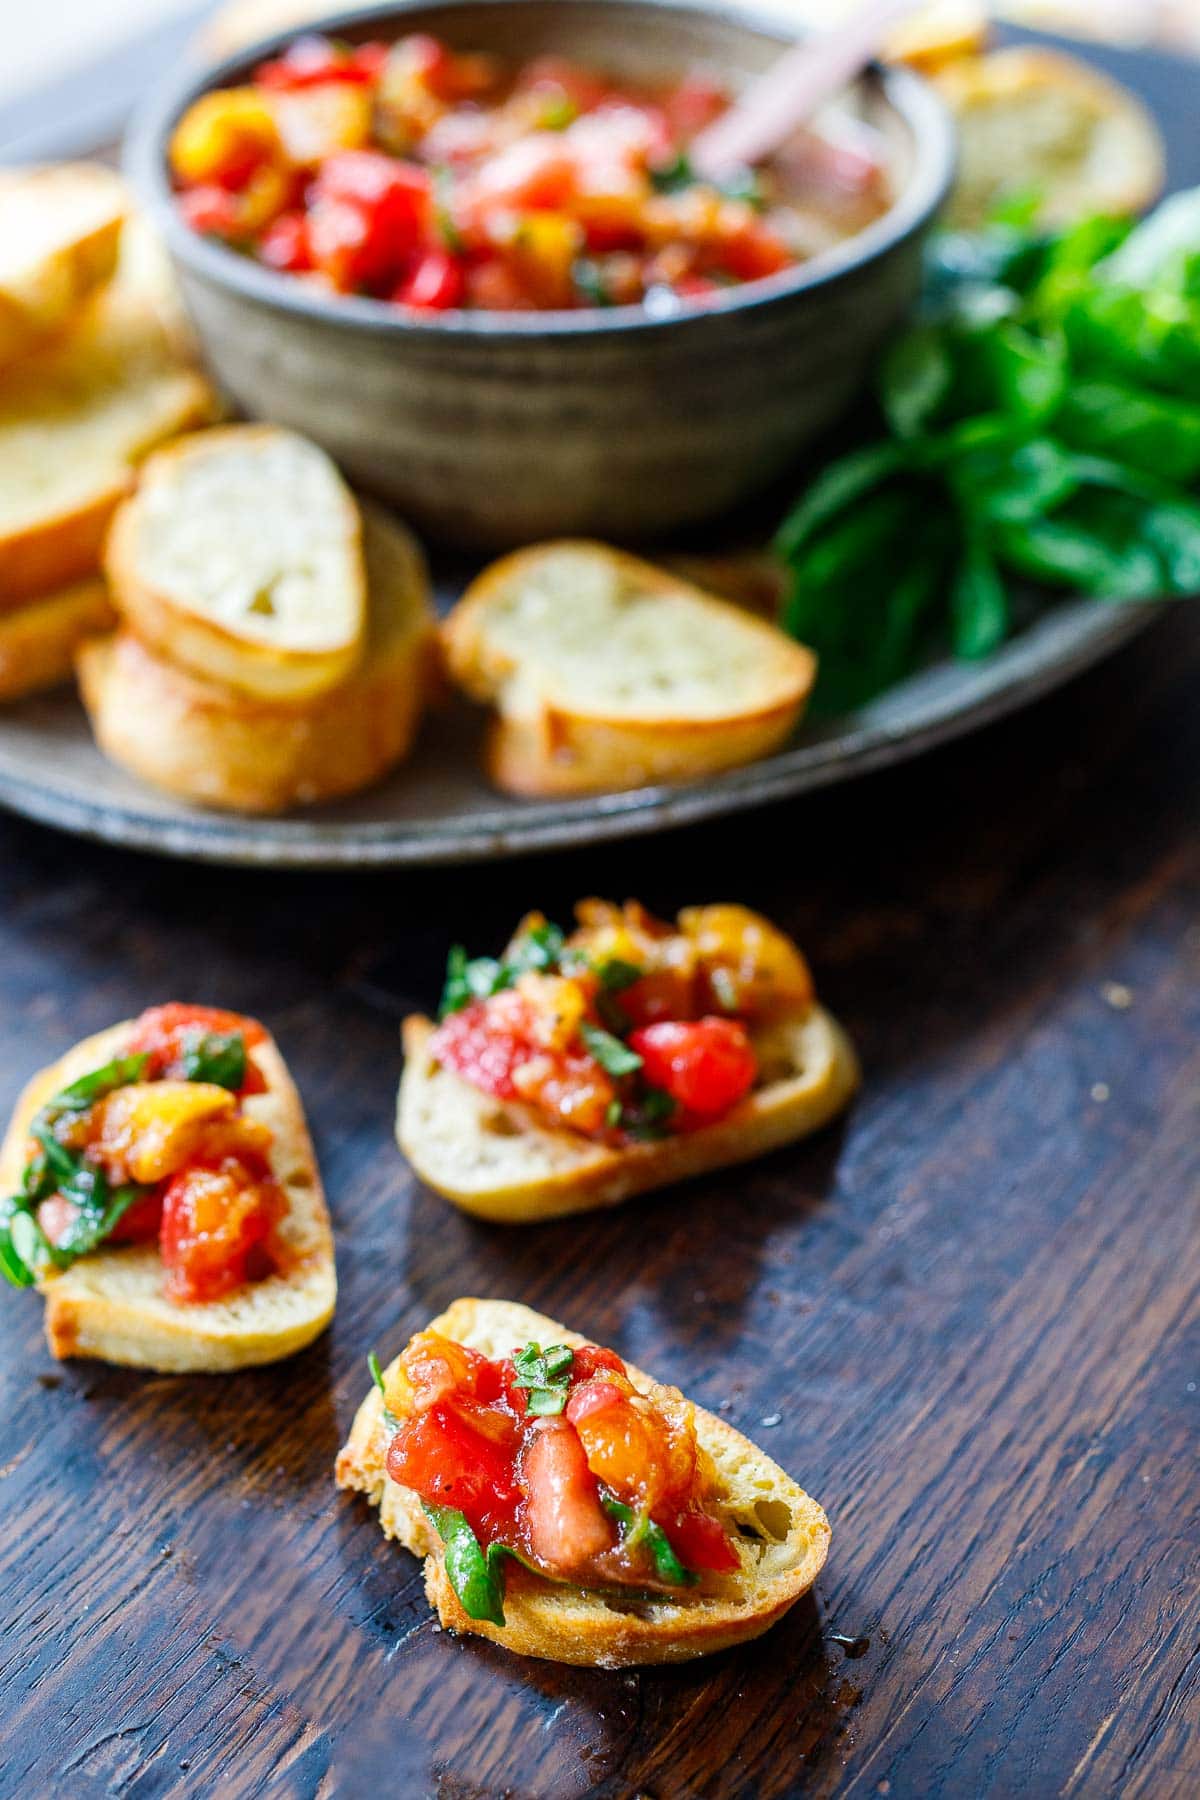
x,y
459,244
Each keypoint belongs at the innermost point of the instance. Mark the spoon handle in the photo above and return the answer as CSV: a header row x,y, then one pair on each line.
x,y
777,103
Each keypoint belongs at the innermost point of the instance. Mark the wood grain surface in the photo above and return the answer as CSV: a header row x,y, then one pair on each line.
x,y
972,1312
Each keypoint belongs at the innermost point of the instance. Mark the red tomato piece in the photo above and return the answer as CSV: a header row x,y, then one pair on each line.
x,y
590,1357
435,283
443,1458
370,212
166,1033
284,244
216,1227
211,210
701,1543
470,1043
563,1516
136,1226
313,60
537,173
706,1065
754,252
591,1397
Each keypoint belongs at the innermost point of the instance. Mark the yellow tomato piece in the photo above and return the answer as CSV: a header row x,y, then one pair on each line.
x,y
147,1131
224,136
752,966
544,247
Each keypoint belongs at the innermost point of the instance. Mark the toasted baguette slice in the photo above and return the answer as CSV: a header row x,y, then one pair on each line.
x,y
75,418
110,1304
240,559
609,673
1038,121
60,232
937,33
38,640
218,748
497,1158
782,1534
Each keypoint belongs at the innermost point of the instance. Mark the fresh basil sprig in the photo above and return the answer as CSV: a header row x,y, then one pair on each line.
x,y
546,1377
1041,422
638,1528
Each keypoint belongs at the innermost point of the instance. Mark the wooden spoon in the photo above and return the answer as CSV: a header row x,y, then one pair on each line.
x,y
778,103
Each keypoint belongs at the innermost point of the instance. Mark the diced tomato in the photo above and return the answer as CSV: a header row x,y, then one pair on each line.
x,y
696,287
700,1542
446,1461
536,173
312,60
216,1230
694,103
591,1397
212,210
493,285
563,1516
284,244
469,1043
754,252
166,1033
435,283
369,214
589,1358
706,1065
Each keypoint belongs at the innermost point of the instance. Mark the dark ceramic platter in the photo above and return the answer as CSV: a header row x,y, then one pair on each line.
x,y
437,809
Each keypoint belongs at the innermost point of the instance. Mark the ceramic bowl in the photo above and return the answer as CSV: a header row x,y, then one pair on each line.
x,y
490,429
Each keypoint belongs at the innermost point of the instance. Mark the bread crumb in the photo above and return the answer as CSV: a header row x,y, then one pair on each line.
x,y
1117,995
771,1419
1101,1092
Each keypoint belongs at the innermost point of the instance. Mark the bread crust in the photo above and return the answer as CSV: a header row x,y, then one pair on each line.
x,y
1121,164
564,1624
215,747
38,640
109,1305
538,746
499,1161
190,637
40,296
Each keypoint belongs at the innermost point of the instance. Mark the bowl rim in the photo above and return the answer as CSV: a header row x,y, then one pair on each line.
x,y
914,100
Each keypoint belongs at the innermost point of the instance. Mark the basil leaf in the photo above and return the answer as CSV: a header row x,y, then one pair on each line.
x,y
12,1267
100,1209
614,1057
218,1057
836,490
61,1164
476,1579
470,979
540,949
671,177
85,1092
917,375
389,1417
979,602
615,975
29,1245
638,1529
545,1375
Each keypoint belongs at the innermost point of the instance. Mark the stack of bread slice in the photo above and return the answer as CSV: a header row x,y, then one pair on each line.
x,y
94,373
275,642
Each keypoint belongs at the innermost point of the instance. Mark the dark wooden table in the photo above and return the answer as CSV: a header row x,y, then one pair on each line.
x,y
974,1310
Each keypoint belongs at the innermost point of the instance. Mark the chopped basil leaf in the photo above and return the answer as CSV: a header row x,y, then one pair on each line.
x,y
649,1119
85,1092
612,1117
100,1209
62,1164
478,978
443,216
539,948
218,1057
546,1377
744,184
12,1267
614,1057
616,975
639,1528
589,281
670,177
389,1417
476,1578
29,1245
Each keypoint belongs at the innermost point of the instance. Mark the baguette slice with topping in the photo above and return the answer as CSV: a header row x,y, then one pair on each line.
x,y
110,1303
240,559
781,1533
220,748
499,1160
609,673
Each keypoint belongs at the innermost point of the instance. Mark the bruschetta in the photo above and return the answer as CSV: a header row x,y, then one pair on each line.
x,y
162,1193
578,1070
60,233
569,1507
